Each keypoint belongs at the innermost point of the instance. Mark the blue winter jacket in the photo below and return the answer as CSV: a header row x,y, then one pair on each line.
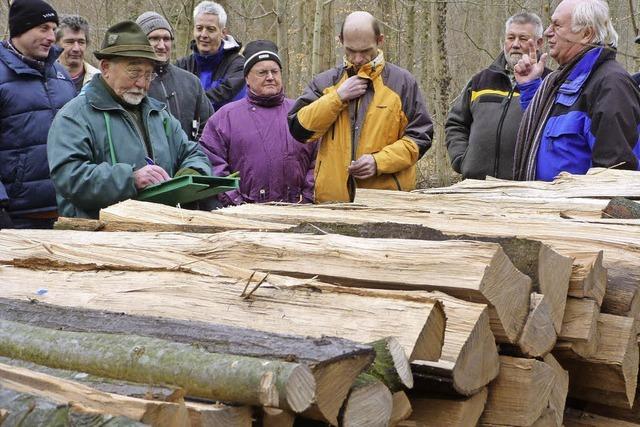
x,y
594,121
29,100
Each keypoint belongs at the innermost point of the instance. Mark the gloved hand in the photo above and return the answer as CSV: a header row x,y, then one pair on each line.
x,y
5,219
186,171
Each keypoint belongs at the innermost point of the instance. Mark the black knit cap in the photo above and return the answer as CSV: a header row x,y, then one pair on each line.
x,y
27,14
260,50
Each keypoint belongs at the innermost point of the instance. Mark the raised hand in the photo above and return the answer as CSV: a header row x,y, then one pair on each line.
x,y
149,175
352,88
528,67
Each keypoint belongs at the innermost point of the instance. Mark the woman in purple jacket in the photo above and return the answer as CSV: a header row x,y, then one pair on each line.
x,y
251,137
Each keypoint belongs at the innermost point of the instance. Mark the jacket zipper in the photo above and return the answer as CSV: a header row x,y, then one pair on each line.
x,y
496,159
137,131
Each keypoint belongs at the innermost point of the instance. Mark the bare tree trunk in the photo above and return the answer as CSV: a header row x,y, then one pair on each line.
x,y
443,78
411,37
317,38
282,36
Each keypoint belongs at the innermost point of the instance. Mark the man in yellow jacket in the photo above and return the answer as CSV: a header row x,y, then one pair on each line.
x,y
369,115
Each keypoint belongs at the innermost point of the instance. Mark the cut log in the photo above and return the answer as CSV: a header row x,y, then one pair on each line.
x,y
547,419
369,403
558,397
205,414
134,211
539,335
334,362
588,276
21,409
391,365
486,275
401,409
563,235
86,399
280,304
620,207
469,356
613,368
200,414
142,252
600,183
520,394
576,418
273,417
238,379
580,320
440,411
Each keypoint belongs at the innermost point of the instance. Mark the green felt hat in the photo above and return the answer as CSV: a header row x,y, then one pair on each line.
x,y
126,39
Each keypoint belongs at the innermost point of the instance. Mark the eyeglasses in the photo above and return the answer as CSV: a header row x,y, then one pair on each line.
x,y
264,73
134,75
166,40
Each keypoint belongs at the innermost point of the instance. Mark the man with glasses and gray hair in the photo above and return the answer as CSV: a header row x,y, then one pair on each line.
x,y
483,123
585,114
216,58
72,35
180,90
113,140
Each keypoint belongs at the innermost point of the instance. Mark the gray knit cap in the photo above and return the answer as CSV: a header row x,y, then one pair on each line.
x,y
151,21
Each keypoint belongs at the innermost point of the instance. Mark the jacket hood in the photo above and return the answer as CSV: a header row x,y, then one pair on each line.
x,y
229,44
100,98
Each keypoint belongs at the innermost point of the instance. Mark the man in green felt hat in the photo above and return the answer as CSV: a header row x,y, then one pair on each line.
x,y
112,141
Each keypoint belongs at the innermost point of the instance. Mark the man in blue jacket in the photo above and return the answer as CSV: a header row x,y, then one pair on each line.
x,y
33,87
586,113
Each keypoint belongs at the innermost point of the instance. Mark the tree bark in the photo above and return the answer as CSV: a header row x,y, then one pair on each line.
x,y
238,379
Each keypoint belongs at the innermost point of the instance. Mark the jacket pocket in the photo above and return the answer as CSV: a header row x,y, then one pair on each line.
x,y
566,134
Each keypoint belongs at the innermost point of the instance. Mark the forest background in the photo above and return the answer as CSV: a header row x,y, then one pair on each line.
x,y
443,43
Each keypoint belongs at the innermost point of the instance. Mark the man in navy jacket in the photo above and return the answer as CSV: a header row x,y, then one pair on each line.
x,y
586,113
33,87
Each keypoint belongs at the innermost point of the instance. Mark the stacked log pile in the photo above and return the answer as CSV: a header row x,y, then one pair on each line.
x,y
489,302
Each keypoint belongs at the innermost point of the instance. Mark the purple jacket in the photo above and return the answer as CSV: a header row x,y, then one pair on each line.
x,y
255,142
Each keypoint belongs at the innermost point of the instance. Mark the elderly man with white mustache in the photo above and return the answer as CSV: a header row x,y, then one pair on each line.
x,y
112,140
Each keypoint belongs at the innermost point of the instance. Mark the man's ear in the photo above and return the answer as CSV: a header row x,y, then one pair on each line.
x,y
104,66
225,32
380,40
589,33
539,43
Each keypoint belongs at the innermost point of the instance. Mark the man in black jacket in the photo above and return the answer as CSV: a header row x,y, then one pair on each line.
x,y
180,90
215,59
483,123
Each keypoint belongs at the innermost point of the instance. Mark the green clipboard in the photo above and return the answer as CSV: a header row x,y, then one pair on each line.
x,y
187,188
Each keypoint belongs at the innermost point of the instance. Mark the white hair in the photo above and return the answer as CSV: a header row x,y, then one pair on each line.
x,y
524,18
594,14
214,9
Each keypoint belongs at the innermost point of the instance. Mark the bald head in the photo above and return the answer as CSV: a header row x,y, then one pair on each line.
x,y
360,24
360,36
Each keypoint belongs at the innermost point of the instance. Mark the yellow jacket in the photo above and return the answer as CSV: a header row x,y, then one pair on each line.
x,y
390,121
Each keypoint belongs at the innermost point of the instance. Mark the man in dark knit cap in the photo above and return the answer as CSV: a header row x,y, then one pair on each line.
x,y
251,137
180,90
112,140
33,87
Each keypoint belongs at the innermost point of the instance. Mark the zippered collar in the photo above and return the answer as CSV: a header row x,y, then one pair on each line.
x,y
582,70
15,61
370,70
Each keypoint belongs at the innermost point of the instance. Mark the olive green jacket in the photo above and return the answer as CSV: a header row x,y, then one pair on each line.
x,y
88,175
